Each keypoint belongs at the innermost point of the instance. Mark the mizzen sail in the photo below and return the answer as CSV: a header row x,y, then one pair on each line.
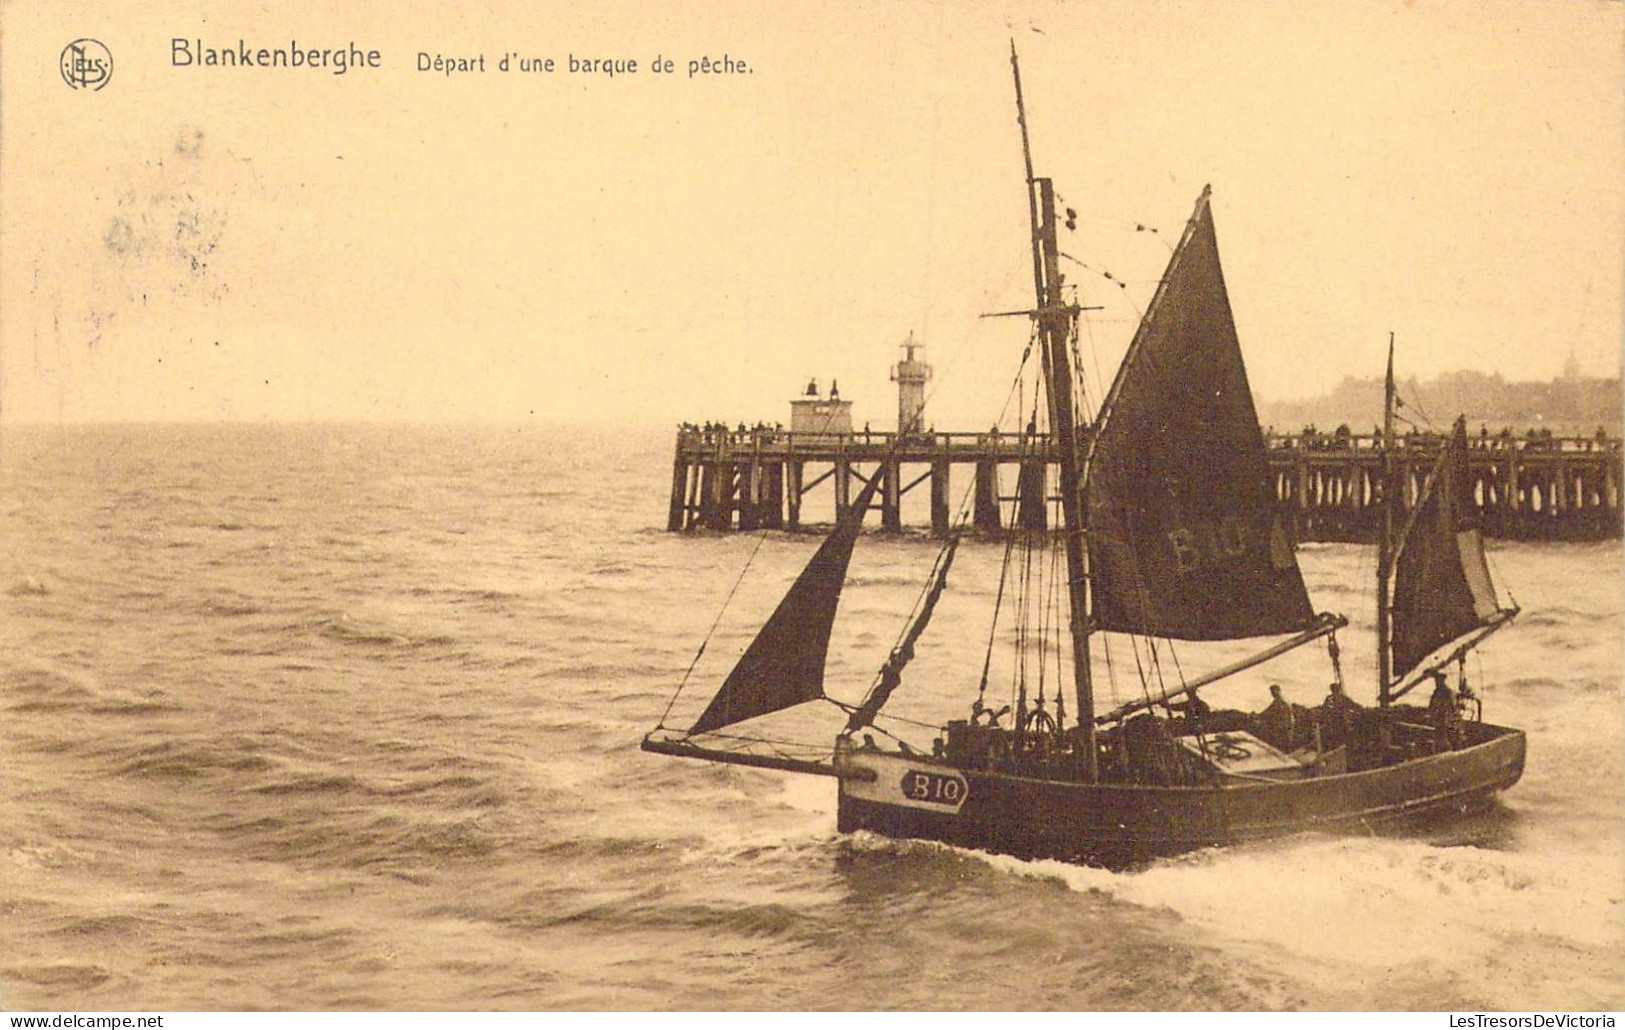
x,y
1184,537
784,665
1442,587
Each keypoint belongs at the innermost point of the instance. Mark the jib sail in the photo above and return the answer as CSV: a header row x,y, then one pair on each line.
x,y
784,665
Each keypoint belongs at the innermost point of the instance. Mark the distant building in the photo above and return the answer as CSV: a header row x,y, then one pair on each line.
x,y
1572,404
813,414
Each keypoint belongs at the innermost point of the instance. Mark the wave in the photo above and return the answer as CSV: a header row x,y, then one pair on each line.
x,y
440,841
187,759
451,792
119,925
310,784
1565,617
466,594
1365,903
70,976
589,849
765,919
42,689
897,579
345,629
54,856
227,609
1145,957
28,586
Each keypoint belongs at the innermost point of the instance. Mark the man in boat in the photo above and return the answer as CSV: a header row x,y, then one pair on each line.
x,y
1278,724
1444,714
1148,755
1194,710
1338,715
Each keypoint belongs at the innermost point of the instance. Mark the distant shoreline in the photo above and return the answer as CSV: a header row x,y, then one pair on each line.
x,y
1567,406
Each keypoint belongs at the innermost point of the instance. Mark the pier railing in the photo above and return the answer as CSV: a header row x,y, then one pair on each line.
x,y
1529,486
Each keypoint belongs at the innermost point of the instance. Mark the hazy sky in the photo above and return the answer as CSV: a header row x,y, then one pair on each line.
x,y
232,243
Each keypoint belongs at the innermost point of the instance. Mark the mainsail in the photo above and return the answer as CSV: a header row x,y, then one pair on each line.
x,y
784,665
1442,587
1184,537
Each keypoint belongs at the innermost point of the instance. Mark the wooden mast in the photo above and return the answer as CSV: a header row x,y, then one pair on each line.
x,y
1385,543
1054,320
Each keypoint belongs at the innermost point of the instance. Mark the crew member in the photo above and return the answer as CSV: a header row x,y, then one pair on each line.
x,y
1338,714
1444,715
1278,724
1194,709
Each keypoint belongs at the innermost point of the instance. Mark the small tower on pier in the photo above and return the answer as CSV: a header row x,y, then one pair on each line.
x,y
812,414
910,376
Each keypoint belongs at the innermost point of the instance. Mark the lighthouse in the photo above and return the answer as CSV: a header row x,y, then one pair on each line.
x,y
910,375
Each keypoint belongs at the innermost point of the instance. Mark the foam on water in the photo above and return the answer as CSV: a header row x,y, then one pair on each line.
x,y
1368,911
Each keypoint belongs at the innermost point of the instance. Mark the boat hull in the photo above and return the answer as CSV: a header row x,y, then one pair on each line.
x,y
1121,825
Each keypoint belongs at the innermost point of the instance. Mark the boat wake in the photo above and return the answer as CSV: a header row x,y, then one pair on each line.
x,y
1442,924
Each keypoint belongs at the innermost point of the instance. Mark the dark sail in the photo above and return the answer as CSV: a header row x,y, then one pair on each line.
x,y
784,665
1442,587
1184,537
891,674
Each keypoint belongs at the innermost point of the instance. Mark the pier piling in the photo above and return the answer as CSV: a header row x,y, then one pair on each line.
x,y
891,500
986,517
1031,488
940,515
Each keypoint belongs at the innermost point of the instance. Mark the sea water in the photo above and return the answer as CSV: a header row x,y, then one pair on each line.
x,y
343,716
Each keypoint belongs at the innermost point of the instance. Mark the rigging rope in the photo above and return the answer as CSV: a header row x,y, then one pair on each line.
x,y
761,538
1017,668
1046,587
816,750
964,342
1111,671
1009,543
1020,516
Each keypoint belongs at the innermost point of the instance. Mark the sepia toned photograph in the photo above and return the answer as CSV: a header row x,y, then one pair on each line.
x,y
1070,505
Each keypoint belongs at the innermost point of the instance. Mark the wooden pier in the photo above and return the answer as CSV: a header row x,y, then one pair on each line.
x,y
1327,486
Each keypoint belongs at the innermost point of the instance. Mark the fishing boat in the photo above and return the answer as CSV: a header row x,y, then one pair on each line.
x,y
1171,531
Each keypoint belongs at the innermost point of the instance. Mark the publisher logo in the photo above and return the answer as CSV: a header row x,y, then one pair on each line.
x,y
86,64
